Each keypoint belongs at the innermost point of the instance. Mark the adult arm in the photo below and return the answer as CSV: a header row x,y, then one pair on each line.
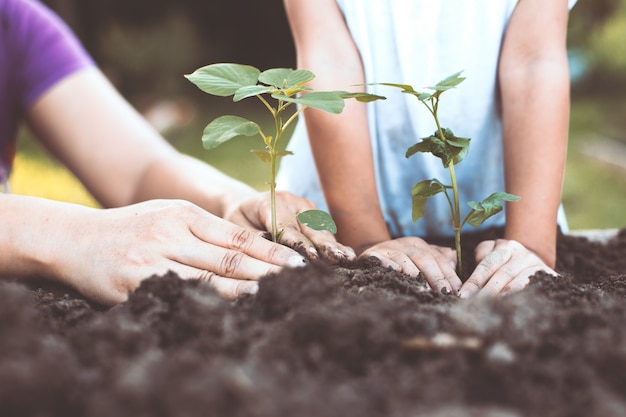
x,y
105,253
122,160
534,85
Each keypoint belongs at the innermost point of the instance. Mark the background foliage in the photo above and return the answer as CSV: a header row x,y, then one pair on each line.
x,y
145,47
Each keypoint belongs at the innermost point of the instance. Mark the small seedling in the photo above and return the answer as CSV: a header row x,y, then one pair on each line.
x,y
285,87
451,150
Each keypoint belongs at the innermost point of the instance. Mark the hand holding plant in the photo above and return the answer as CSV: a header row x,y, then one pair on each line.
x,y
284,86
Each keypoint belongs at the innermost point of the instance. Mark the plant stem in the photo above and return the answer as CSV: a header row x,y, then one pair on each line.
x,y
456,210
272,151
456,221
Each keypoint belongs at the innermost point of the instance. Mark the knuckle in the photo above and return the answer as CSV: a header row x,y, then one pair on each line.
x,y
231,262
474,283
241,238
207,276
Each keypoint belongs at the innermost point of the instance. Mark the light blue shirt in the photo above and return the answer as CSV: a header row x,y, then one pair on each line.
x,y
421,42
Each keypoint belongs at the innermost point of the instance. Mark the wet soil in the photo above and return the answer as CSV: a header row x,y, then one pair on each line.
x,y
355,340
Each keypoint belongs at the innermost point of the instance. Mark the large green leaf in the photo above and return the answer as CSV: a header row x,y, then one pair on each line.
x,y
490,206
421,192
284,78
225,128
330,101
224,79
318,220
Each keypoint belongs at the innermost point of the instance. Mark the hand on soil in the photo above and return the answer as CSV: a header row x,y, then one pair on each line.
x,y
503,267
113,250
254,213
412,255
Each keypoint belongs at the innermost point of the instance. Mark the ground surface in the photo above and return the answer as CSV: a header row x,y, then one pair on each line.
x,y
358,341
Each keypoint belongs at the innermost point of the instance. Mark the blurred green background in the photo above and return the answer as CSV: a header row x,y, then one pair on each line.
x,y
145,47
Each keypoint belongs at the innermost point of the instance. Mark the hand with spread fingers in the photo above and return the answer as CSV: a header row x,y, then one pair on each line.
x,y
412,255
503,267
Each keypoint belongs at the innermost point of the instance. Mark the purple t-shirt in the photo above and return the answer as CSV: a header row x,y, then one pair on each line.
x,y
37,50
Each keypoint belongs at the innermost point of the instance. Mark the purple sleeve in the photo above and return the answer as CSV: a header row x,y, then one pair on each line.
x,y
37,50
44,49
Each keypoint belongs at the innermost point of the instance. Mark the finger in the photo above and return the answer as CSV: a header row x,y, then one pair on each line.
x,y
223,234
228,288
438,272
520,282
231,263
515,269
296,240
325,245
449,254
386,260
485,269
483,249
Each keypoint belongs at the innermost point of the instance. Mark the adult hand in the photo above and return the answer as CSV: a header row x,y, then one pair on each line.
x,y
107,253
503,267
255,213
413,255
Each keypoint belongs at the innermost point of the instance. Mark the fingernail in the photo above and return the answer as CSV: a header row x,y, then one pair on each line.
x,y
296,261
463,294
314,253
252,289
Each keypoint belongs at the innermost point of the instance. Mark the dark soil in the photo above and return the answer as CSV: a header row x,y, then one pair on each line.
x,y
319,341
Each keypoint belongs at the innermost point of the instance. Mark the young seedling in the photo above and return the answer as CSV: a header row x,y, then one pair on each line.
x,y
451,150
284,86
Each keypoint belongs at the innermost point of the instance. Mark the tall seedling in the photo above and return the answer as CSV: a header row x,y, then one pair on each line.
x,y
284,86
451,150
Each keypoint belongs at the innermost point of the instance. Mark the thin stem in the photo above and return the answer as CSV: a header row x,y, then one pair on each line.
x,y
293,117
456,219
266,104
456,210
272,151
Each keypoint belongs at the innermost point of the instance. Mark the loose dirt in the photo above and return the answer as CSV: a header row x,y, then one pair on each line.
x,y
357,340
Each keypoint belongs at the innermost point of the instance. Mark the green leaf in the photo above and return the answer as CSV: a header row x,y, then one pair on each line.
x,y
407,89
488,207
224,79
284,153
264,155
421,192
448,82
251,91
317,220
225,128
330,101
285,78
360,96
453,149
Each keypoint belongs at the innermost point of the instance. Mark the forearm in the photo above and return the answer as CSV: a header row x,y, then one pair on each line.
x,y
340,143
535,98
32,235
346,171
183,177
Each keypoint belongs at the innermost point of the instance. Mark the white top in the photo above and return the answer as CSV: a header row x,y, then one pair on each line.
x,y
421,42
